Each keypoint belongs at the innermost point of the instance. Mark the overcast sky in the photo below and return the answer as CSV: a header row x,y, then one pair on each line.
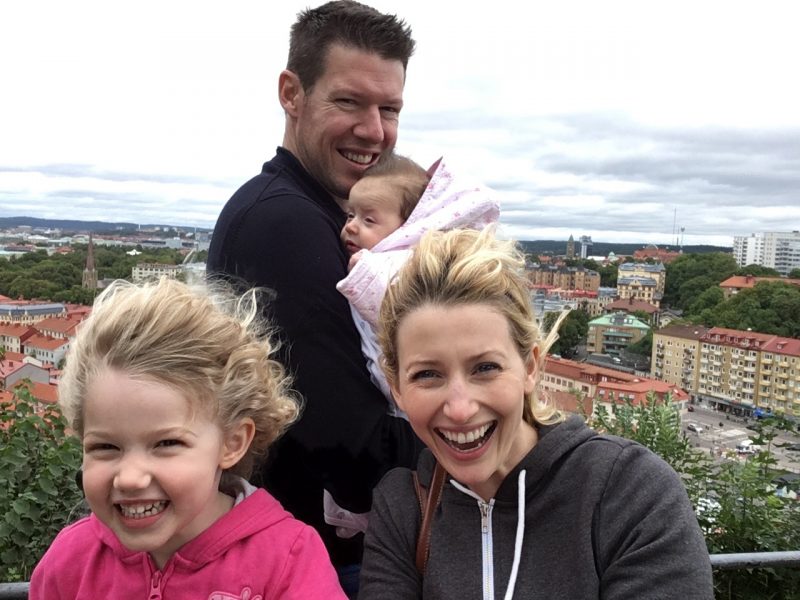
x,y
623,120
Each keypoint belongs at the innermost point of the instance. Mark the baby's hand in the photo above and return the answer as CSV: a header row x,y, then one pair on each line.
x,y
354,259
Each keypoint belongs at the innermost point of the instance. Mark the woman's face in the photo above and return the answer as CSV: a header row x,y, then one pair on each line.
x,y
462,383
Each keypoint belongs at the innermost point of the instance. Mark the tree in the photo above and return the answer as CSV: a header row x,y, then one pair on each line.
x,y
758,271
38,493
707,269
644,346
573,329
769,307
794,274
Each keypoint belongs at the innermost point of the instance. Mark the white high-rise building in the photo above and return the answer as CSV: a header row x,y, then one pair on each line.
x,y
775,250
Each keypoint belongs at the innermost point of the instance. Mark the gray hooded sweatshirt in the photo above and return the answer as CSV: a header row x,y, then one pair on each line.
x,y
582,516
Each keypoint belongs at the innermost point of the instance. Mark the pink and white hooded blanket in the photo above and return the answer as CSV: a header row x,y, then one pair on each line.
x,y
449,202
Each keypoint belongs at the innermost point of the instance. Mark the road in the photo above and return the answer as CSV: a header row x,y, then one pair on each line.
x,y
721,432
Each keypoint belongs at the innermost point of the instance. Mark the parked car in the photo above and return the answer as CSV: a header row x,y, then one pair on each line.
x,y
795,447
690,408
747,447
696,427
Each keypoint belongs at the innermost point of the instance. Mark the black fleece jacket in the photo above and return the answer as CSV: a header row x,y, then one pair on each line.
x,y
605,518
280,231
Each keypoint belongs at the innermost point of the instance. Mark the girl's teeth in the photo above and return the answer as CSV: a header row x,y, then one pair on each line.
x,y
142,510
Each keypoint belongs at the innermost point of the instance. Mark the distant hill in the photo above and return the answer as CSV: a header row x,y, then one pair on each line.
x,y
555,247
73,226
559,248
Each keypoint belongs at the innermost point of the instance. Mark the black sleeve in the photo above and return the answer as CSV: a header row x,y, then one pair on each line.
x,y
389,569
650,542
345,435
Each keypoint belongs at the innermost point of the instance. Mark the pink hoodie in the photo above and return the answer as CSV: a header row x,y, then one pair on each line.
x,y
257,551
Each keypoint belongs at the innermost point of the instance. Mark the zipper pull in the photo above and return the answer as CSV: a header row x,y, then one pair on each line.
x,y
484,516
155,586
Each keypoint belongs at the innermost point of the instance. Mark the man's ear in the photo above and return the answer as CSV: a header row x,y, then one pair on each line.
x,y
290,92
236,442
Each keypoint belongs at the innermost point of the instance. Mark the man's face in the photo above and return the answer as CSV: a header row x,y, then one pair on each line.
x,y
348,119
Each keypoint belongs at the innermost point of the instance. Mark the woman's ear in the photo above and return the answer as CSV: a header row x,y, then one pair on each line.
x,y
398,397
236,442
531,367
290,92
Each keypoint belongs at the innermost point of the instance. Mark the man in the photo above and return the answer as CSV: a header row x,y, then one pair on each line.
x,y
342,93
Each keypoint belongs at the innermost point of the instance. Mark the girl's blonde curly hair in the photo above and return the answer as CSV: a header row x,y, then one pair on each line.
x,y
205,342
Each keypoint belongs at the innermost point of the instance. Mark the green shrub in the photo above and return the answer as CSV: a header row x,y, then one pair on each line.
x,y
38,493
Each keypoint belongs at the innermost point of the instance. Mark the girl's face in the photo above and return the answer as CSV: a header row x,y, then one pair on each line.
x,y
151,466
462,383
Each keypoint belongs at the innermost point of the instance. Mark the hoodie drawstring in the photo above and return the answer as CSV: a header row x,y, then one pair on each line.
x,y
512,579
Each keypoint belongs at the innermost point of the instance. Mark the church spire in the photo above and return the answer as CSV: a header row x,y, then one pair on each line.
x,y
90,272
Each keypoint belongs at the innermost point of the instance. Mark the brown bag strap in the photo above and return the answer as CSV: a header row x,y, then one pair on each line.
x,y
428,500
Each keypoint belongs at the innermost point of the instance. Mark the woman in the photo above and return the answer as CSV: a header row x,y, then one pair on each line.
x,y
535,504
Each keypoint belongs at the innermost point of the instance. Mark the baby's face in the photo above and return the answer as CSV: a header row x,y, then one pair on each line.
x,y
372,214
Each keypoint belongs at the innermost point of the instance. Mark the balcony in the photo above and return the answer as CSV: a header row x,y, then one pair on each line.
x,y
766,371
766,361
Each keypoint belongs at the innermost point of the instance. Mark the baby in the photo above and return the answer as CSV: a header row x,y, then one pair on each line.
x,y
388,210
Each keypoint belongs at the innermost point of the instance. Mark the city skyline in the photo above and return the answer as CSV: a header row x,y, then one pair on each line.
x,y
622,121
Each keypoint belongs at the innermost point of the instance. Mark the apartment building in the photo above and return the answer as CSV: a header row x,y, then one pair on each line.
x,y
611,333
779,376
153,271
46,349
567,278
779,250
744,370
12,336
675,356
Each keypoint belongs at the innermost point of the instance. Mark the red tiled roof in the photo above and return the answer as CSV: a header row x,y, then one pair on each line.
x,y
43,342
58,324
687,332
45,392
631,304
13,330
749,281
781,345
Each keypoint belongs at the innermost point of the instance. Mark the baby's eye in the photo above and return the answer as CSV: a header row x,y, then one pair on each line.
x,y
370,220
351,216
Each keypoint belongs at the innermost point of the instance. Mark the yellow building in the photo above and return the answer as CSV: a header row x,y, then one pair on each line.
x,y
779,376
642,281
676,355
567,278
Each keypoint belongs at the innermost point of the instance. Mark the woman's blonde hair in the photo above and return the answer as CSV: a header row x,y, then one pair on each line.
x,y
460,267
205,342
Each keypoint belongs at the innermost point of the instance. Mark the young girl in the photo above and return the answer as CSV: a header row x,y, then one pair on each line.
x,y
534,504
174,396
